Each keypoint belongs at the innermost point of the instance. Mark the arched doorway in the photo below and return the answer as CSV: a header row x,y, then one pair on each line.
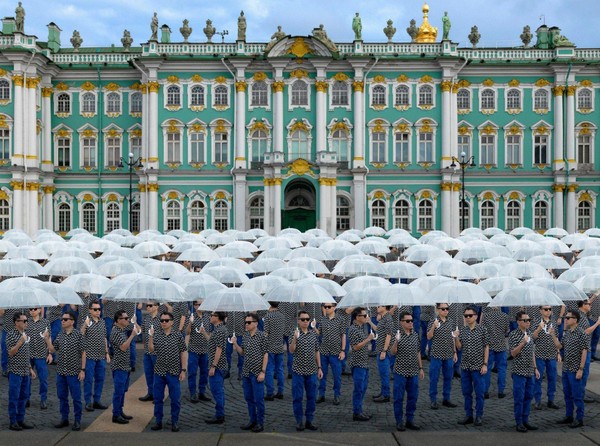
x,y
299,209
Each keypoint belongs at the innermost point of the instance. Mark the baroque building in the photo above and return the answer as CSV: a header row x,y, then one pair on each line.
x,y
297,132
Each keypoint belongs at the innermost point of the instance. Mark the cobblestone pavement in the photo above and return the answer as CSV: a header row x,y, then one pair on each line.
x,y
498,413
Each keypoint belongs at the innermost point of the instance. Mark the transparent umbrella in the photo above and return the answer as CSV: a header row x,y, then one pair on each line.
x,y
428,283
279,242
312,265
479,251
555,246
402,241
102,245
24,292
62,294
198,254
525,270
368,297
265,266
365,282
292,273
526,253
299,291
556,232
397,294
526,296
87,283
333,288
146,289
592,232
308,252
583,243
262,284
349,237
487,270
235,251
151,249
201,289
275,253
374,231
237,264
225,274
419,254
17,238
588,252
51,246
181,246
120,267
5,245
188,277
164,270
449,268
447,244
234,299
26,252
459,292
359,265
71,252
492,231
67,266
400,270
370,246
521,231
589,284
571,275
496,284
592,261
503,239
19,268
550,261
563,289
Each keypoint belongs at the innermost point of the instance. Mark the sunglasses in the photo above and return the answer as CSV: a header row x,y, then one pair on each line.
x,y
164,321
65,319
547,309
33,309
22,320
196,304
249,322
151,305
124,317
304,319
444,308
408,321
525,320
570,317
469,315
95,309
327,307
361,315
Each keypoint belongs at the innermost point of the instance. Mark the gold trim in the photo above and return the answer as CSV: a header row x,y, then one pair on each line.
x,y
17,80
340,77
196,78
446,86
299,74
514,83
299,48
259,76
112,87
358,86
153,187
153,87
240,86
220,80
278,86
172,79
88,86
321,86
488,83
571,89
541,82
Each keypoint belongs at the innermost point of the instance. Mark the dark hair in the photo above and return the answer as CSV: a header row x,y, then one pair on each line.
x,y
440,303
16,316
381,258
357,311
520,314
254,316
167,313
472,308
274,304
71,314
405,313
219,314
119,314
575,314
581,303
94,302
301,312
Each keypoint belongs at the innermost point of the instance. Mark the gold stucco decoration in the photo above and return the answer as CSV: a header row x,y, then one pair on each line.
x,y
88,133
172,79
514,83
220,128
64,133
378,128
299,74
426,79
402,128
298,125
220,79
278,86
426,33
402,78
259,76
586,83
341,77
112,86
358,86
173,126
515,130
379,79
541,82
541,130
88,86
489,130
197,128
321,86
488,83
258,125
300,167
111,197
196,78
299,48
61,86
340,125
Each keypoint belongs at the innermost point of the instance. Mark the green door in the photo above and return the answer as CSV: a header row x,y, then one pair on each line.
x,y
301,219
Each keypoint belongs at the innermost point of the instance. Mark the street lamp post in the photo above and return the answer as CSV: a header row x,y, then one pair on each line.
x,y
131,163
463,163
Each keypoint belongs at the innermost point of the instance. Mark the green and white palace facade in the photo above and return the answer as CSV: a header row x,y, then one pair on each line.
x,y
297,132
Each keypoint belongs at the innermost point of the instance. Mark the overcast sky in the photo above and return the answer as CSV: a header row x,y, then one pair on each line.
x,y
500,22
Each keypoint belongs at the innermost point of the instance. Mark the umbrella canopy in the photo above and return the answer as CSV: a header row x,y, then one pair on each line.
x,y
520,231
428,283
70,251
402,241
200,253
556,232
526,296
188,277
308,252
333,288
19,268
359,265
478,251
420,254
120,267
555,246
267,265
486,270
525,270
563,289
459,292
449,268
492,231
373,246
87,283
24,292
292,273
349,237
164,270
145,289
593,261
67,266
201,289
151,249
447,243
400,270
496,284
401,294
299,291
589,284
234,299
369,297
262,284
236,264
312,265
235,251
62,294
571,275
26,252
225,274
550,261
364,283
275,253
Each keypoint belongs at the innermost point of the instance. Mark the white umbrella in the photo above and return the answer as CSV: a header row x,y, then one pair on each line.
x,y
592,232
563,289
234,251
262,284
400,270
492,231
182,245
459,292
447,243
257,232
312,265
525,296
120,267
299,291
555,246
372,246
449,268
219,239
87,283
589,284
267,265
374,231
526,253
275,253
5,245
571,275
151,249
369,297
146,289
589,252
520,231
524,271
316,242
236,264
67,266
164,270
478,251
201,289
549,261
19,268
402,241
503,239
198,254
593,261
225,274
24,292
26,252
349,237
102,245
292,273
583,243
69,251
279,242
164,238
428,283
62,294
188,277
401,294
121,252
364,283
333,288
486,270
556,232
234,299
309,252
496,284
17,237
420,254
359,265
51,246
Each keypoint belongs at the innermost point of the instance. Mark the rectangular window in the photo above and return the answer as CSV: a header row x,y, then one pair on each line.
x,y
173,147
113,218
4,144
425,218
135,218
259,147
402,217
540,149
464,145
220,147
63,149
221,218
378,147
113,151
135,147
584,149
4,215
401,148
257,217
197,147
540,221
426,147
487,149
513,149
88,155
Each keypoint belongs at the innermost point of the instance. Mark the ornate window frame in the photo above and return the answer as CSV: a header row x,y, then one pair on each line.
x,y
108,96
350,217
469,100
196,197
173,96
6,124
586,129
112,132
88,132
337,125
519,98
420,197
168,197
514,129
62,198
541,196
6,95
258,195
82,102
402,127
254,126
487,110
67,98
541,128
485,130
63,132
406,196
299,125
218,128
253,84
421,96
344,81
172,127
581,106
194,127
493,198
290,93
380,84
541,110
132,112
216,89
190,96
379,126
426,126
510,198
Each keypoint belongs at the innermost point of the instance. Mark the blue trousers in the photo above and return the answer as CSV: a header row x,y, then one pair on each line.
x,y
472,380
410,386
121,386
522,395
360,376
383,367
18,394
499,359
108,321
197,365
4,354
132,352
95,371
595,338
425,343
66,385
172,382
458,360
446,367
548,366
290,356
301,384
254,394
216,388
586,369
41,369
274,370
149,361
574,390
336,370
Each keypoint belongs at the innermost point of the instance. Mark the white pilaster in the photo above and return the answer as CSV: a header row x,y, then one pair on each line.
x,y
18,125
446,86
559,162
360,199
153,129
359,124
239,201
153,205
31,146
570,130
571,208
47,131
323,199
240,126
277,205
559,213
447,225
278,116
268,206
48,208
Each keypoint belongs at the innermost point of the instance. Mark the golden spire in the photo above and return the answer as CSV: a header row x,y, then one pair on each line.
x,y
427,33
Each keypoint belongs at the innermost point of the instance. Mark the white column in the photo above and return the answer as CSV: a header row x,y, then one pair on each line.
x,y
360,200
278,116
153,125
455,209
323,203
33,212
447,225
570,130
239,201
559,212
153,205
47,131
277,205
558,130
31,127
145,127
18,125
268,205
48,207
332,208
142,187
446,86
571,208
18,202
321,116
240,124
359,126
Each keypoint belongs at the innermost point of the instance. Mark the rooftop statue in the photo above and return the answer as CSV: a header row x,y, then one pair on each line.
x,y
412,30
126,40
357,27
209,31
474,36
526,36
76,40
276,37
185,30
321,35
389,30
154,27
446,24
241,27
20,18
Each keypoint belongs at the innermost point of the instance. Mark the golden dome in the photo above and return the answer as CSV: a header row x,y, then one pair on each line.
x,y
427,33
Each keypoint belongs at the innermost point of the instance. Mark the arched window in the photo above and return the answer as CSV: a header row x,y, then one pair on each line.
x,y
513,215
540,100
259,94
513,99
197,216
88,217
63,103
402,215
339,144
4,90
221,215
402,98
378,95
173,96
378,214
88,103
135,102
64,217
299,143
113,103
488,215
540,216
425,217
426,96
221,96
299,93
4,215
584,215
173,215
259,144
257,213
339,93
197,96
113,217
342,213
463,99
135,218
584,99
488,99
